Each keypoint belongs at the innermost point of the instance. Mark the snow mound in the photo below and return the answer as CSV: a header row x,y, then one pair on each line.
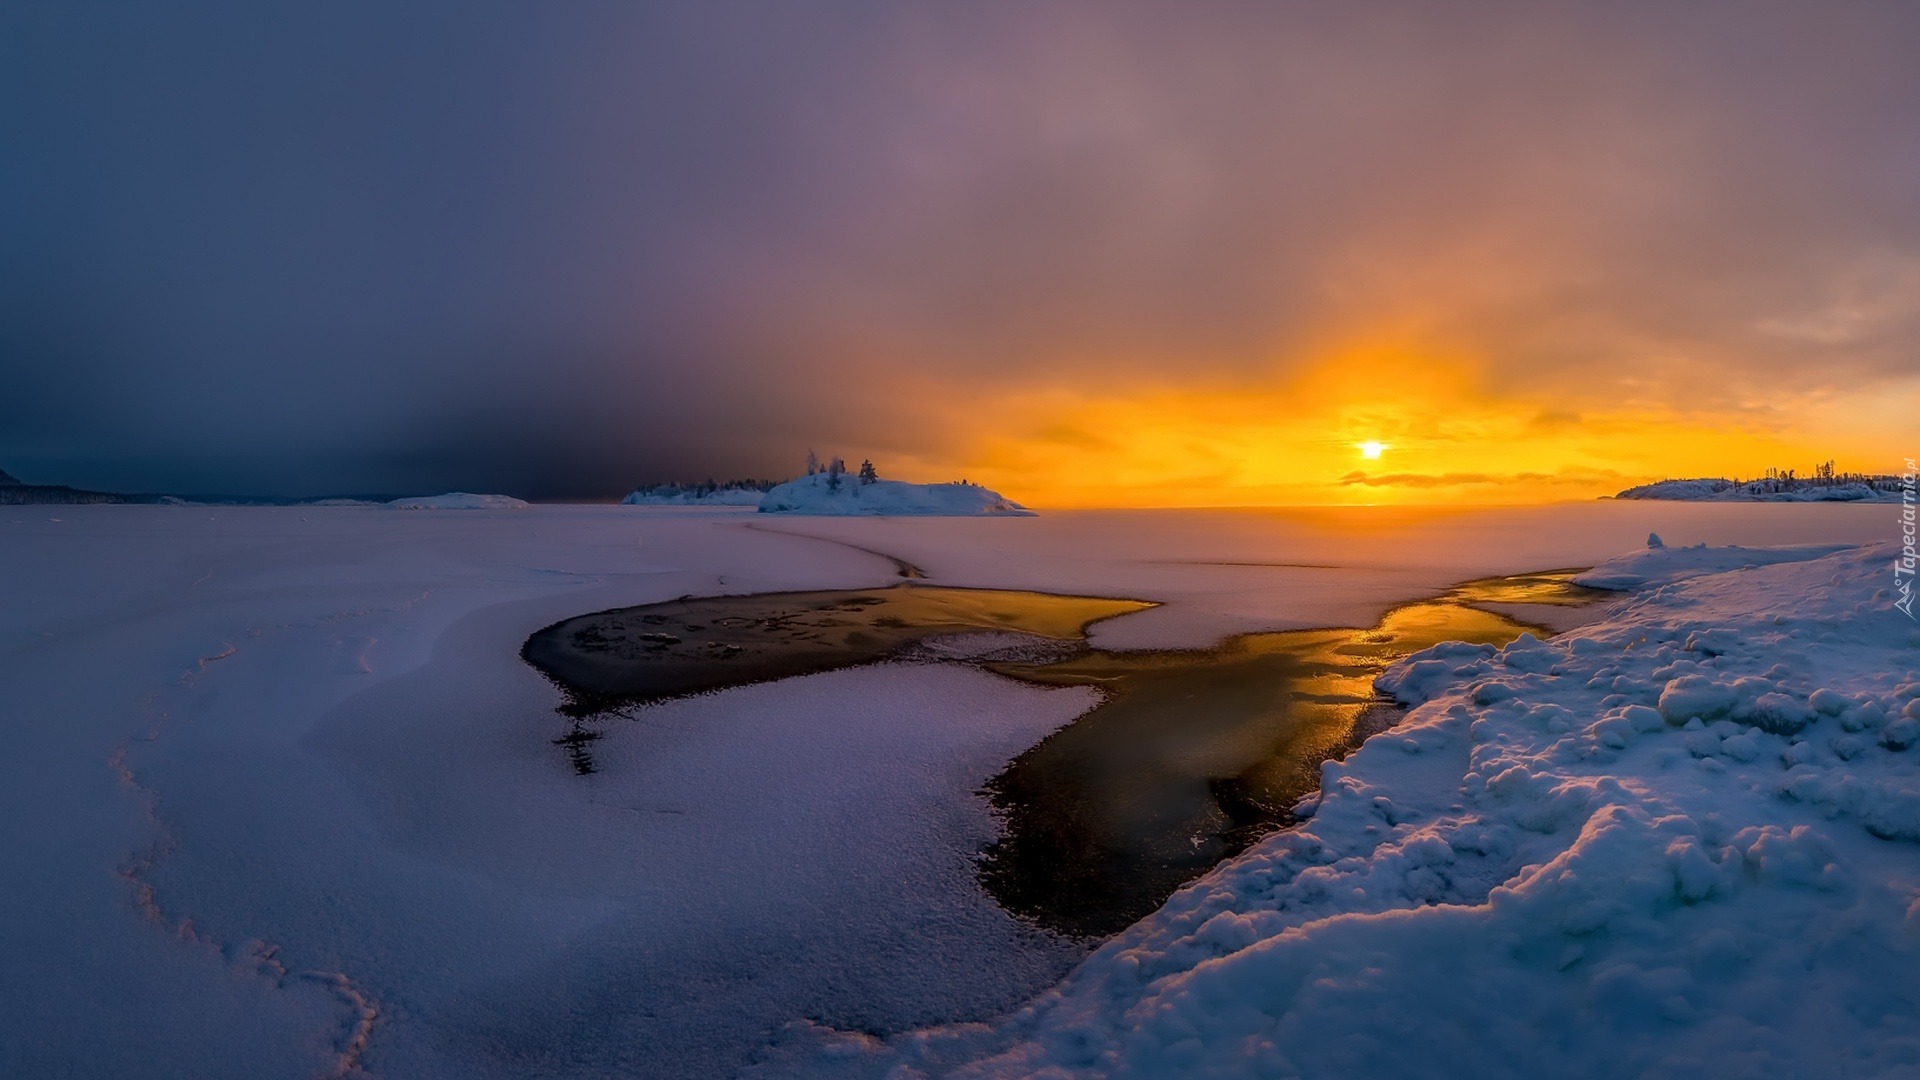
x,y
722,497
1681,841
1717,489
815,495
457,500
1660,564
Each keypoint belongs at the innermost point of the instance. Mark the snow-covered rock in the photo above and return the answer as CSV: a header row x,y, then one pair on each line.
x,y
457,500
1682,841
816,495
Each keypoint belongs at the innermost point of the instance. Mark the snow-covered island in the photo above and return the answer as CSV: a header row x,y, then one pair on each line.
x,y
825,493
1779,485
14,492
831,489
458,500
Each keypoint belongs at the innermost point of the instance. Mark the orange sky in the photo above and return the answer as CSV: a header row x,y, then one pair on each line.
x,y
1446,435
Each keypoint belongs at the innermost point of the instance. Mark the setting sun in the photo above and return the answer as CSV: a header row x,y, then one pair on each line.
x,y
1370,449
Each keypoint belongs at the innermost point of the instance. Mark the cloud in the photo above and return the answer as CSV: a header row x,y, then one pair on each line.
x,y
565,249
1583,477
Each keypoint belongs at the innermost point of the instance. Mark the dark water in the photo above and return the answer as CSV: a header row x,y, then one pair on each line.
x,y
1190,756
611,660
1195,754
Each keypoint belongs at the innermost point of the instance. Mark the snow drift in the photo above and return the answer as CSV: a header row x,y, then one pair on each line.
x,y
1660,564
1682,841
816,494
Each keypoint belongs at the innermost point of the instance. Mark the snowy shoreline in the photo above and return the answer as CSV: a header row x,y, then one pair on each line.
x,y
1684,838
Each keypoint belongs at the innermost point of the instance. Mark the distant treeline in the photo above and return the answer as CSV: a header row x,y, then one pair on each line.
x,y
15,493
702,488
61,495
1823,475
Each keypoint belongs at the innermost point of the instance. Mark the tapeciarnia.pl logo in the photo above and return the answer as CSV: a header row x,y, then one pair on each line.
x,y
1903,567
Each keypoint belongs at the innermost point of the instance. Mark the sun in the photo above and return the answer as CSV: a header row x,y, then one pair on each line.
x,y
1371,449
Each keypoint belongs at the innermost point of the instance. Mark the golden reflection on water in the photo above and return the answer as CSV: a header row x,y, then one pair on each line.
x,y
1195,753
1189,756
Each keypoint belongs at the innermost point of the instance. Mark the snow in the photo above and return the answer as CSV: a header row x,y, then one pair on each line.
x,y
1722,490
458,500
1222,572
1682,841
1660,563
282,801
818,495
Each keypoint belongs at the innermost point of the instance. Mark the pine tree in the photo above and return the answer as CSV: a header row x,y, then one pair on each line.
x,y
813,463
835,470
867,475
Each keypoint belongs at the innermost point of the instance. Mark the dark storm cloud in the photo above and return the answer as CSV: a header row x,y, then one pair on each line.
x,y
555,249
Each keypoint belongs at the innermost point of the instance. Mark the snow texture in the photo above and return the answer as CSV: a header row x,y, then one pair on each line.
x,y
458,500
819,495
1683,841
281,800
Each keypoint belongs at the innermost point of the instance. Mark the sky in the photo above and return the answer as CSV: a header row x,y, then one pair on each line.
x,y
1086,253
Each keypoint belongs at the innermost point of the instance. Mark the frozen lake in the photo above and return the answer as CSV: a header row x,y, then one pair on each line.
x,y
281,798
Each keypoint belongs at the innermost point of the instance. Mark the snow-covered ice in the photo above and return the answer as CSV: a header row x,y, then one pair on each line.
x,y
847,496
273,773
1222,572
280,798
1683,841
